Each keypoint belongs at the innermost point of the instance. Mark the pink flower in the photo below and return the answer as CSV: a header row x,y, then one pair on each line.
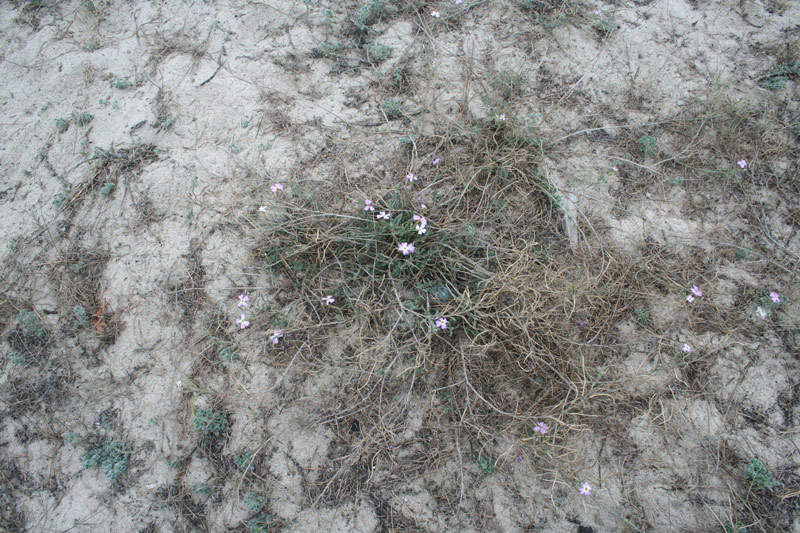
x,y
696,290
457,2
243,301
742,163
687,348
368,205
406,248
275,187
411,177
541,428
775,297
436,161
435,14
422,222
441,323
690,298
239,212
586,489
243,322
276,336
328,300
583,323
383,215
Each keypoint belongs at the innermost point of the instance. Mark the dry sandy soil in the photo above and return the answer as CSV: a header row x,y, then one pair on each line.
x,y
605,157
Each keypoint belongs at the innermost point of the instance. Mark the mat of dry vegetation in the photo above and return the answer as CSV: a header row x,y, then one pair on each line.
x,y
400,266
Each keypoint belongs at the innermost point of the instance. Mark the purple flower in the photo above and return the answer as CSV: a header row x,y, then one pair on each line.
x,y
436,161
275,187
328,300
406,248
541,428
243,322
742,163
583,323
690,298
368,205
383,215
435,14
411,177
441,323
687,348
276,336
586,489
696,290
775,297
243,301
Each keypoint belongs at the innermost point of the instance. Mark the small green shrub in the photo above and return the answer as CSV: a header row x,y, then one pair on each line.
x,y
82,119
62,124
379,52
777,77
30,324
59,199
254,502
605,27
108,188
392,108
121,83
210,422
326,49
370,13
228,354
647,145
735,528
244,460
80,313
111,455
485,465
759,476
17,358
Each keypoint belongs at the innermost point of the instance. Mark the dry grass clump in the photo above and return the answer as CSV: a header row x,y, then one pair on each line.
x,y
527,315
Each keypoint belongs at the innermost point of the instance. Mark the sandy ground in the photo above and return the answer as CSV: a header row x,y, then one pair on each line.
x,y
140,139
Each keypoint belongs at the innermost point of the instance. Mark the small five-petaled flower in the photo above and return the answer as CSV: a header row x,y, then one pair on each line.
x,y
243,301
775,297
441,323
541,428
435,14
328,300
276,336
696,290
368,205
436,161
586,489
742,163
689,298
275,187
421,223
383,215
243,322
687,348
411,177
502,117
406,248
